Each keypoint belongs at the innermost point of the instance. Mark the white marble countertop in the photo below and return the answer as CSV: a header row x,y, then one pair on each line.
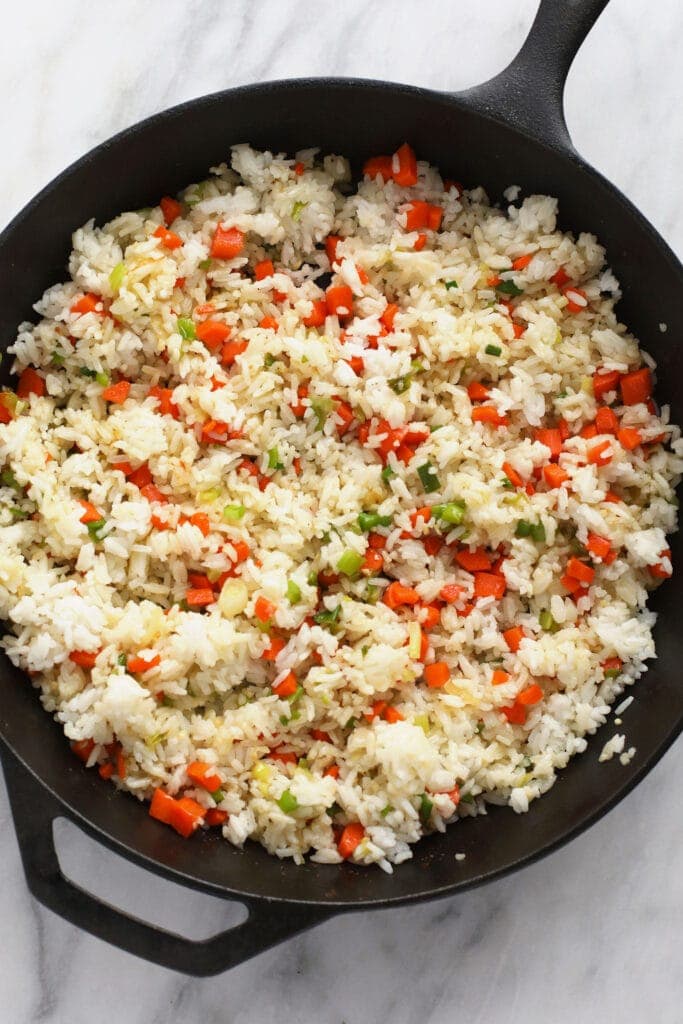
x,y
592,931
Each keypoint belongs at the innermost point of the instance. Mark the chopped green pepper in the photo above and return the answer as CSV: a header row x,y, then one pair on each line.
x,y
186,328
450,284
327,617
523,529
387,473
350,562
426,806
509,287
298,209
370,520
288,802
274,459
538,532
116,276
428,478
547,622
233,513
493,350
293,592
95,527
453,512
400,384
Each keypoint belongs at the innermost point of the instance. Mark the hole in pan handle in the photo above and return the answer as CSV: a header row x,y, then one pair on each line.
x,y
528,93
34,810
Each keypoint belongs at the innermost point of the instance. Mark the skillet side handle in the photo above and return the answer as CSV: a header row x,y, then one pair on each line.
x,y
528,94
34,811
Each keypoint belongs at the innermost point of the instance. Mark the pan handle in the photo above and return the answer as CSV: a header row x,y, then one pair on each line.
x,y
34,810
528,94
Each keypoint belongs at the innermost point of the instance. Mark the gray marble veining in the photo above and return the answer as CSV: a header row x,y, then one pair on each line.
x,y
592,932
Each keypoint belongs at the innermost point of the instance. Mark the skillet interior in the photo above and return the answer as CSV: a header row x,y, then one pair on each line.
x,y
357,119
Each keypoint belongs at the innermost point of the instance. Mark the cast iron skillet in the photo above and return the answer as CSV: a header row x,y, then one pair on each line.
x,y
509,130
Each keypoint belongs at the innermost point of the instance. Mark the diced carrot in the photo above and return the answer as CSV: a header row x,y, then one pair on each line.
x,y
629,438
136,664
106,770
560,277
431,615
531,695
227,243
344,416
420,243
231,350
580,570
263,270
90,513
424,514
515,713
489,584
396,595
202,775
168,239
659,570
198,579
434,217
264,609
589,431
377,541
321,736
488,414
357,365
30,383
171,209
404,166
339,300
284,756
86,659
554,476
299,408
477,391
350,838
612,665
86,304
388,316
215,816
116,393
83,749
140,476
523,261
332,771
120,763
316,318
518,329
600,454
162,806
605,382
552,439
453,186
7,406
287,687
437,675
152,493
512,475
598,546
331,243
393,715
373,561
576,298
376,711
378,165
271,652
493,280
570,583
268,323
636,387
213,333
199,597
432,544
186,816
499,677
201,521
451,593
606,421
474,561
513,637
164,397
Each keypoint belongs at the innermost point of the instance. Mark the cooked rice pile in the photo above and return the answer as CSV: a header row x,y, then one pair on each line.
x,y
213,560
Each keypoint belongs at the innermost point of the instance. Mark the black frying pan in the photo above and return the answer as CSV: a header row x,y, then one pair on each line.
x,y
510,130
